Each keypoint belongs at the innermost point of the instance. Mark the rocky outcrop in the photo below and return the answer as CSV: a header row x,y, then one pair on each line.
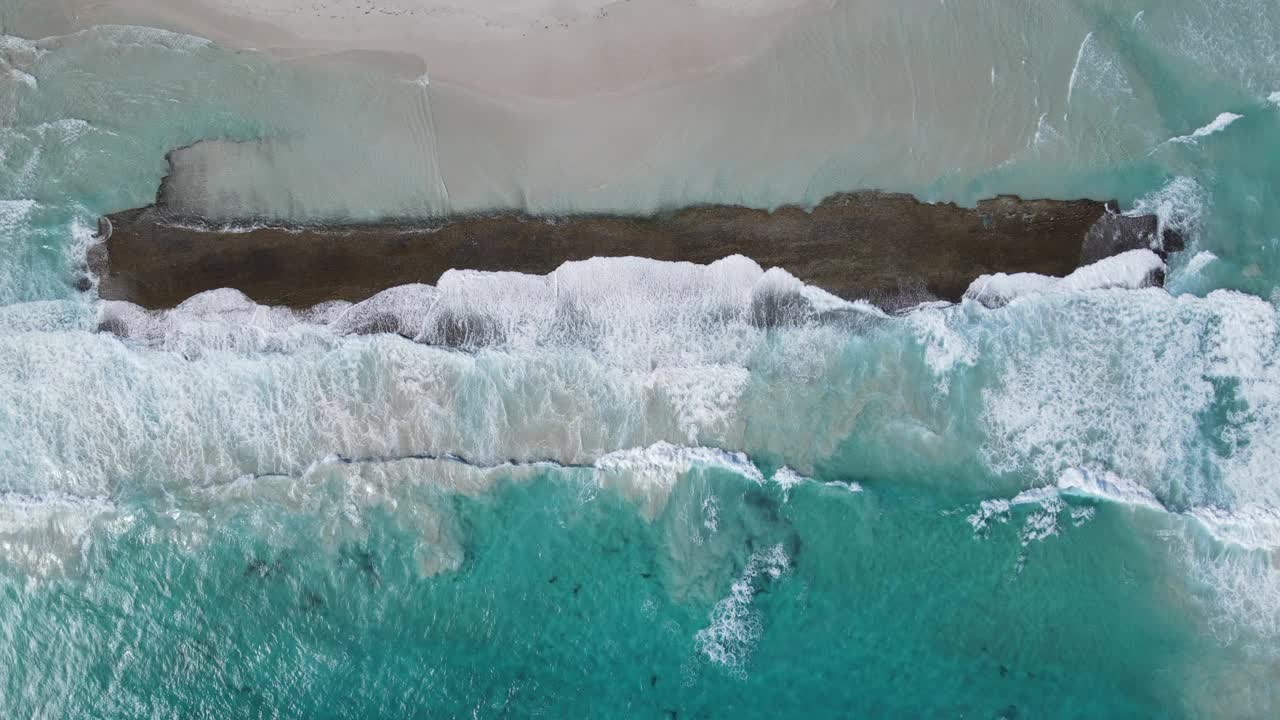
x,y
1115,233
888,248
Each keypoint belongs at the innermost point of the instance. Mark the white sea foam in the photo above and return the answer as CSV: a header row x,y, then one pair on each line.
x,y
11,44
671,394
735,625
1045,520
989,511
1217,125
66,129
702,398
1107,486
18,55
667,372
945,347
1065,388
223,320
639,313
1043,523
45,316
786,479
1252,527
646,475
661,464
1241,583
1075,69
1129,270
1245,603
1199,262
14,215
669,340
1178,205
24,77
404,309
560,368
1132,403
710,514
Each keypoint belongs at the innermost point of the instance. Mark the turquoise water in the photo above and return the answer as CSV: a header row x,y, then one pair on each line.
x,y
566,607
623,497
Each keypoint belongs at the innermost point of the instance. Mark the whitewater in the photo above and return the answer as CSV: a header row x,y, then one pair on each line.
x,y
632,488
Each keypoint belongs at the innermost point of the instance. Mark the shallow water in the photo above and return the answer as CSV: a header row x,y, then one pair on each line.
x,y
618,494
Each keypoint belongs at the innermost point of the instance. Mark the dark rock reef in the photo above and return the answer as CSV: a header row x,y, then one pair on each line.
x,y
889,248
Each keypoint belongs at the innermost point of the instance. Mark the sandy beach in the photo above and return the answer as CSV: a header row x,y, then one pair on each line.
x,y
538,48
637,106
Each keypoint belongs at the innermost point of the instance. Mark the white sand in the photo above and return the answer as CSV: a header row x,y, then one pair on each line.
x,y
558,106
539,48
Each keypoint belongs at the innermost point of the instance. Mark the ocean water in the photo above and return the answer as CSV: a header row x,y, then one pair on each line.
x,y
619,494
